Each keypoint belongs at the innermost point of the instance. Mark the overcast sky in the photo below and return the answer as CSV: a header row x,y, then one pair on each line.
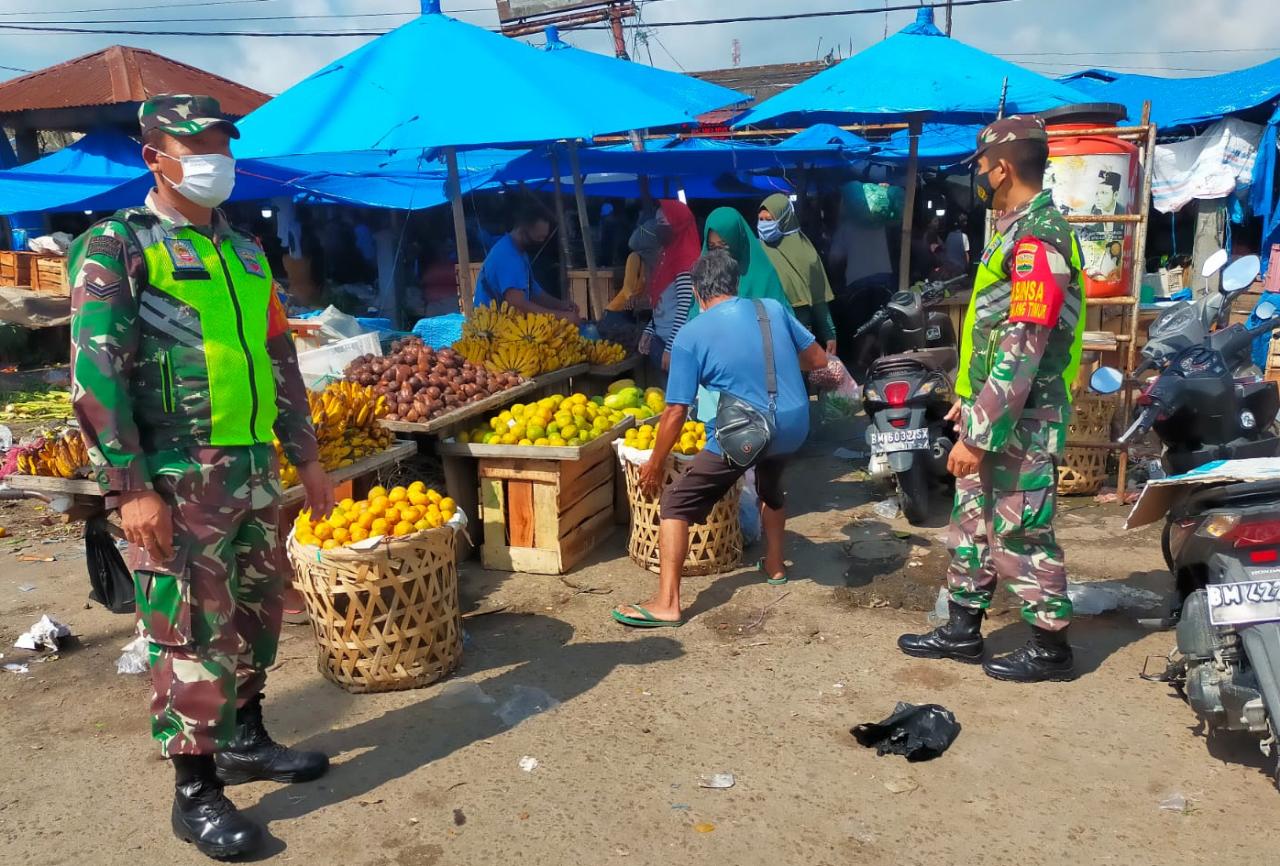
x,y
1158,37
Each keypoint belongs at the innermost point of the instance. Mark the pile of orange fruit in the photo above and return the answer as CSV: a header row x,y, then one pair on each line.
x,y
395,512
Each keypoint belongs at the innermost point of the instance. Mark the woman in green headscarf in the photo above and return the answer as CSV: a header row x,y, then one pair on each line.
x,y
804,279
727,229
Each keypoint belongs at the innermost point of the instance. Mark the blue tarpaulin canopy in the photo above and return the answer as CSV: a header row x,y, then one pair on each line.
x,y
440,82
918,69
1183,101
97,165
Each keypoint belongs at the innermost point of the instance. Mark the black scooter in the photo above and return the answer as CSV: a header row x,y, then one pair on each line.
x,y
1221,542
910,387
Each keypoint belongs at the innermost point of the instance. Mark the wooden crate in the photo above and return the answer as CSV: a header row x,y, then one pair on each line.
x,y
49,275
545,516
593,295
15,269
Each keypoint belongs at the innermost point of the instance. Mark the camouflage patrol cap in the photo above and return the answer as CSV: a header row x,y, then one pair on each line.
x,y
1016,127
183,114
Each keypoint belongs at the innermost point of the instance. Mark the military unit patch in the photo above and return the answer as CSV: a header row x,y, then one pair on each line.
x,y
105,245
1025,262
183,254
249,258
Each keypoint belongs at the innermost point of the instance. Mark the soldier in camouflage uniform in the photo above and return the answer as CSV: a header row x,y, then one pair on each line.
x,y
1024,333
182,372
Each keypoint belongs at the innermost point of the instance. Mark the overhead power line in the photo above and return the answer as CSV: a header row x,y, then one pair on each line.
x,y
58,27
131,8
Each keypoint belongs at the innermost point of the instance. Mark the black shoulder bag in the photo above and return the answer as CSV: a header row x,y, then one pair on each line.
x,y
743,431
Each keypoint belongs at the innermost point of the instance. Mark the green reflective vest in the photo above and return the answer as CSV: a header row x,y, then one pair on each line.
x,y
988,311
202,373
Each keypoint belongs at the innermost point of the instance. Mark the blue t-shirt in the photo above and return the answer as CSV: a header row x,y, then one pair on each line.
x,y
506,267
721,351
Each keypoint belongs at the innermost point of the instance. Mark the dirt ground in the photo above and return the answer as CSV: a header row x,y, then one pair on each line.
x,y
763,682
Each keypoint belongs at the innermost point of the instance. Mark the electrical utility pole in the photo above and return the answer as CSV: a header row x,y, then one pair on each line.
x,y
948,18
616,15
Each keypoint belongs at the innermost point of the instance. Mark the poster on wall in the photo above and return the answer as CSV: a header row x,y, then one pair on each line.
x,y
1096,185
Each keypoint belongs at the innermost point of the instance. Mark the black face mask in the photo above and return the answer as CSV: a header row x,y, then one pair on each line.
x,y
983,189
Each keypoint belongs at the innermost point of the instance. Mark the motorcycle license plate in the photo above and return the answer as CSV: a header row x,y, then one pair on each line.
x,y
1245,602
886,441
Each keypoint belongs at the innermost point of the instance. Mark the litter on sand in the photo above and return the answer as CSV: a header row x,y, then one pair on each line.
x,y
919,733
525,701
134,658
716,780
888,508
528,763
15,668
43,635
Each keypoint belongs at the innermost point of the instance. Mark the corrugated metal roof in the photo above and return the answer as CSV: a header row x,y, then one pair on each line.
x,y
762,82
120,74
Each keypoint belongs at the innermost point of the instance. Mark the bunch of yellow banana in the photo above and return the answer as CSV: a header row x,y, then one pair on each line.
x,y
345,416
474,349
60,455
603,352
523,359
483,322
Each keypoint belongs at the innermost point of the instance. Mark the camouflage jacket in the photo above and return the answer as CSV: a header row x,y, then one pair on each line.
x,y
142,361
1025,329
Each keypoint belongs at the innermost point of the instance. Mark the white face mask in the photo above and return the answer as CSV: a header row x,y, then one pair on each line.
x,y
207,178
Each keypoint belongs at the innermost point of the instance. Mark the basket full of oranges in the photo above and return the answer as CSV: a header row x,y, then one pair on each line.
x,y
380,580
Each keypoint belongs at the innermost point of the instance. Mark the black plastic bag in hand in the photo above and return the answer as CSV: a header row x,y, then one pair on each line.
x,y
920,733
110,581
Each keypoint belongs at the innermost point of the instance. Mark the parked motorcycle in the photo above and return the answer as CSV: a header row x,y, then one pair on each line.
x,y
1221,542
909,390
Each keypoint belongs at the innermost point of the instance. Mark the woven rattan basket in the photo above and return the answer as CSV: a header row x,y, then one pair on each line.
x,y
385,619
1083,470
714,547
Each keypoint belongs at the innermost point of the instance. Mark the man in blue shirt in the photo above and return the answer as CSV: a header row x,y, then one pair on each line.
x,y
722,351
507,274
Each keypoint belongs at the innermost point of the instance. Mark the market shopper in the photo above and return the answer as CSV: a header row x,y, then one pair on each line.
x,y
722,350
727,230
1024,331
799,267
507,273
182,373
670,285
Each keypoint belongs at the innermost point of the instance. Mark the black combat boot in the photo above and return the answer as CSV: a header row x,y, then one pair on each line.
x,y
959,638
254,757
203,815
1047,656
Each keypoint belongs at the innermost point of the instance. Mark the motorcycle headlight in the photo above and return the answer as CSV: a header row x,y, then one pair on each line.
x,y
1218,525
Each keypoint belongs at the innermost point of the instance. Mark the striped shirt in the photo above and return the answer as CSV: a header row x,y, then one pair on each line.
x,y
672,309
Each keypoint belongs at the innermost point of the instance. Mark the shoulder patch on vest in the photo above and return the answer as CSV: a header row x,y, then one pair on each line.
x,y
105,245
249,258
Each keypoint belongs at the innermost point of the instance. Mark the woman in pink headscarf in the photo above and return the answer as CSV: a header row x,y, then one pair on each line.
x,y
670,286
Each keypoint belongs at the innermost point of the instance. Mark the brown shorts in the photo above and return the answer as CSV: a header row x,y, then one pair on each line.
x,y
693,496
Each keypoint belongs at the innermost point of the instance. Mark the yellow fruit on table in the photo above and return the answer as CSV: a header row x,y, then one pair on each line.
x,y
307,539
464,438
447,504
422,524
418,497
525,441
338,520
366,520
412,514
404,527
341,535
377,492
359,533
398,494
542,442
379,527
535,431
322,531
569,431
328,544
509,439
378,504
556,441
347,504
433,496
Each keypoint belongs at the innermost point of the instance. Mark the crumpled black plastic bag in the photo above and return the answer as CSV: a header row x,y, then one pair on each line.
x,y
920,733
111,584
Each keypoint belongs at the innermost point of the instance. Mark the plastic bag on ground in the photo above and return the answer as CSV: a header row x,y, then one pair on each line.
x,y
111,584
134,658
919,733
525,701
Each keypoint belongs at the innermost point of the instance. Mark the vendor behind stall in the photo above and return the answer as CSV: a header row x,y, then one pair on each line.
x,y
507,274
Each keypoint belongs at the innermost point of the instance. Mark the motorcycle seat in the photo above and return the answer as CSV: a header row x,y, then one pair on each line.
x,y
943,359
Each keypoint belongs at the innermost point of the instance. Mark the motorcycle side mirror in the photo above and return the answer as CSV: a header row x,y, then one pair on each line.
x,y
1241,274
1216,262
1106,380
1265,311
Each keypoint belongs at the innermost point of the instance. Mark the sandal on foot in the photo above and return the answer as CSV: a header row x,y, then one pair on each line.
x,y
780,581
645,620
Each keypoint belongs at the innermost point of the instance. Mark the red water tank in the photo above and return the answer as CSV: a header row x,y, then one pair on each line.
x,y
1096,175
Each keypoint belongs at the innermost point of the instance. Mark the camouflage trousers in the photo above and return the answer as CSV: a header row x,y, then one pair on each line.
x,y
211,614
998,533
